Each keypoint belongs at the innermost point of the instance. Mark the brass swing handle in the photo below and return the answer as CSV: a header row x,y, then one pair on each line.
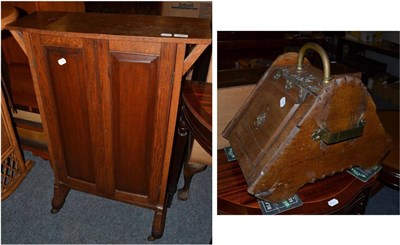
x,y
332,138
324,57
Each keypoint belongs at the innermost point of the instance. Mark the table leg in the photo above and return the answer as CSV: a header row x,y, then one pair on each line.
x,y
179,155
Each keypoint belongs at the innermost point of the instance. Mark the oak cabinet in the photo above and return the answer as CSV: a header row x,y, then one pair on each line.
x,y
108,115
108,87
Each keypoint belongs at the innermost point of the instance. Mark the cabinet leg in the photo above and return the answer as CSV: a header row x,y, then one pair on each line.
x,y
60,193
158,224
189,171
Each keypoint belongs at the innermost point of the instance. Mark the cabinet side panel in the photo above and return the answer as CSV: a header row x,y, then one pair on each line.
x,y
134,82
69,88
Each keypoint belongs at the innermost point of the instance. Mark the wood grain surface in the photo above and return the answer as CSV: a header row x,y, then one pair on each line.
x,y
233,197
197,98
280,155
108,89
120,25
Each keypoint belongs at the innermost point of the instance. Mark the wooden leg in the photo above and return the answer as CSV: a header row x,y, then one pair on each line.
x,y
60,193
179,155
158,224
190,169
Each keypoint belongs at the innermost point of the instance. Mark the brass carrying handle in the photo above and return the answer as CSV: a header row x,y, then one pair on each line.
x,y
332,138
324,57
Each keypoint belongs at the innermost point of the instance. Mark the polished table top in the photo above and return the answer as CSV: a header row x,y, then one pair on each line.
x,y
197,98
233,197
390,174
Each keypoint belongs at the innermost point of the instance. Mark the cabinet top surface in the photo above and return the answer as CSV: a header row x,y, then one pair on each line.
x,y
193,30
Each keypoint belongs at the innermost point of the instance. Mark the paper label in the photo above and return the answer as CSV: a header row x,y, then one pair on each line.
x,y
364,174
230,155
275,208
181,35
333,202
282,102
62,61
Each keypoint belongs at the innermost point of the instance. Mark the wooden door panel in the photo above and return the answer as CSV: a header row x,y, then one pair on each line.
x,y
69,89
134,90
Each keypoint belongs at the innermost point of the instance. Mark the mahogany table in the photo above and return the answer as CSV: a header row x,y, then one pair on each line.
x,y
194,122
197,112
351,193
390,173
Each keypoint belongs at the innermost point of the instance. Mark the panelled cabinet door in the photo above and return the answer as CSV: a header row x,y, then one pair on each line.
x,y
107,105
141,83
63,83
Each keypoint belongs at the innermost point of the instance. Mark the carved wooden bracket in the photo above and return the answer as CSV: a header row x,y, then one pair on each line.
x,y
193,56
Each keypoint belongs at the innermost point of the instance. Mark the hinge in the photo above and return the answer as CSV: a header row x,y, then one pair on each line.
x,y
305,83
